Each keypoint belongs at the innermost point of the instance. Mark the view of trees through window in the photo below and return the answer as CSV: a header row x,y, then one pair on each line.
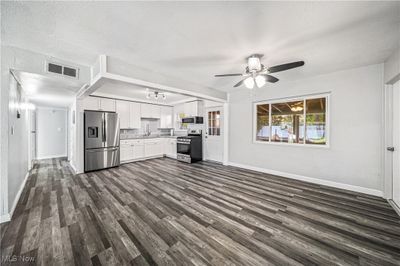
x,y
214,123
300,121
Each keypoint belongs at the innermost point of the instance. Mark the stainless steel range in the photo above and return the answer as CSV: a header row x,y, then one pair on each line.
x,y
190,147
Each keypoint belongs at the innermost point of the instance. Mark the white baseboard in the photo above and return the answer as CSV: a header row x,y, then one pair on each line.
x,y
73,167
142,159
5,218
395,206
368,191
21,188
51,156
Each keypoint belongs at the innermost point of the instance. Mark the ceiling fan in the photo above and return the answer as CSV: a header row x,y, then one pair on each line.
x,y
257,74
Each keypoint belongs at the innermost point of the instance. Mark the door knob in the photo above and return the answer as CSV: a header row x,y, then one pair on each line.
x,y
390,148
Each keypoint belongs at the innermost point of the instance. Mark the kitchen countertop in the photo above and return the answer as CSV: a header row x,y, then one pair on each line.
x,y
149,137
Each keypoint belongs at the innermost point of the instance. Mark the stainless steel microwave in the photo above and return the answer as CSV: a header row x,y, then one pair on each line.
x,y
193,120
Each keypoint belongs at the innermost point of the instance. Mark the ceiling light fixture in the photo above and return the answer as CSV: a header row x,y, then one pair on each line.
x,y
155,94
260,81
249,82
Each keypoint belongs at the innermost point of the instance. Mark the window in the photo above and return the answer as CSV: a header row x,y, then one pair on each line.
x,y
297,121
263,122
214,123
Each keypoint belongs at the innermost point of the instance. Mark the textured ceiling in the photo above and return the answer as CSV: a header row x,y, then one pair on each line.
x,y
192,41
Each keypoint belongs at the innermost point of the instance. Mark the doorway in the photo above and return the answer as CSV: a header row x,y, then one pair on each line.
x,y
214,136
395,148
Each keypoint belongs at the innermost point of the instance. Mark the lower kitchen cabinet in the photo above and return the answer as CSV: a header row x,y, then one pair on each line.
x,y
136,149
131,150
126,152
153,147
170,147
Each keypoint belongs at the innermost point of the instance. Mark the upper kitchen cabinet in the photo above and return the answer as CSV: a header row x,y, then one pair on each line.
x,y
166,117
98,104
129,114
107,105
194,108
134,115
150,111
91,103
122,108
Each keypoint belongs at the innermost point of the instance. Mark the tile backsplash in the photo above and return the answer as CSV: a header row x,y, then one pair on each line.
x,y
153,125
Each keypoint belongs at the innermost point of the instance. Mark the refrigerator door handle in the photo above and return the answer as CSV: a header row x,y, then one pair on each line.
x,y
104,130
102,149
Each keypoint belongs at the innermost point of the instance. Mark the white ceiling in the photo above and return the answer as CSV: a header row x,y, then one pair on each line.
x,y
192,41
46,90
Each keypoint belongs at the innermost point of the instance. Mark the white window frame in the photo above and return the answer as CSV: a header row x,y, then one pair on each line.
x,y
293,99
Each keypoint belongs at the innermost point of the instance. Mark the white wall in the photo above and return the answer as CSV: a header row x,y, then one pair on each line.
x,y
356,130
51,132
392,67
18,135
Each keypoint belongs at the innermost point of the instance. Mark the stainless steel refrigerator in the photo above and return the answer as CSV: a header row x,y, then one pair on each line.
x,y
101,140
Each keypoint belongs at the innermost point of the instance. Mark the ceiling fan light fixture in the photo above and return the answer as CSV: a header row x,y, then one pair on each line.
x,y
260,81
249,82
254,63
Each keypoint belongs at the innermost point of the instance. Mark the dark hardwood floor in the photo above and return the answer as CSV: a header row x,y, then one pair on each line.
x,y
163,212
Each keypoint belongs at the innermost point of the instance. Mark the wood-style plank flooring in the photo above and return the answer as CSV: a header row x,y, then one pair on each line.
x,y
164,212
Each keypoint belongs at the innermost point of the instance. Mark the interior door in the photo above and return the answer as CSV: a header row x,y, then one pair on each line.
x,y
396,143
213,139
32,116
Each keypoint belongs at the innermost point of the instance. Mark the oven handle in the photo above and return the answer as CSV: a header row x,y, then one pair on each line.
x,y
183,142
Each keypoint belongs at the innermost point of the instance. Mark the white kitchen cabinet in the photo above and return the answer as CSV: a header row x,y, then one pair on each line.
x,y
129,114
150,110
166,117
126,152
194,108
170,147
138,150
107,104
96,103
145,110
153,147
91,103
131,149
123,110
134,115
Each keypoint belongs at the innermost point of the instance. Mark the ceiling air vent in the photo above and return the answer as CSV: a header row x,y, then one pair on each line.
x,y
62,70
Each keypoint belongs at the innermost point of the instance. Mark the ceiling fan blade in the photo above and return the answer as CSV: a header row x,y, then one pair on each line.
x,y
270,78
284,67
228,75
239,83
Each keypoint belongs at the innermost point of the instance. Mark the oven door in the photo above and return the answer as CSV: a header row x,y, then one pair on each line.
x,y
183,147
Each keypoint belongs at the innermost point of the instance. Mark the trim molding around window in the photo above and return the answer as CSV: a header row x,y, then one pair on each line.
x,y
297,121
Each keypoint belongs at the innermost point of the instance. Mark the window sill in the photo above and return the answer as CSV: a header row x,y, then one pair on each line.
x,y
326,146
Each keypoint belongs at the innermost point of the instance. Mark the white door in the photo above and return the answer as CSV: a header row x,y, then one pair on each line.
x,y
396,143
32,140
213,139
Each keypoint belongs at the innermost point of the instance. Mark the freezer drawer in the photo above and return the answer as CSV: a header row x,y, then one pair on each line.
x,y
96,159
